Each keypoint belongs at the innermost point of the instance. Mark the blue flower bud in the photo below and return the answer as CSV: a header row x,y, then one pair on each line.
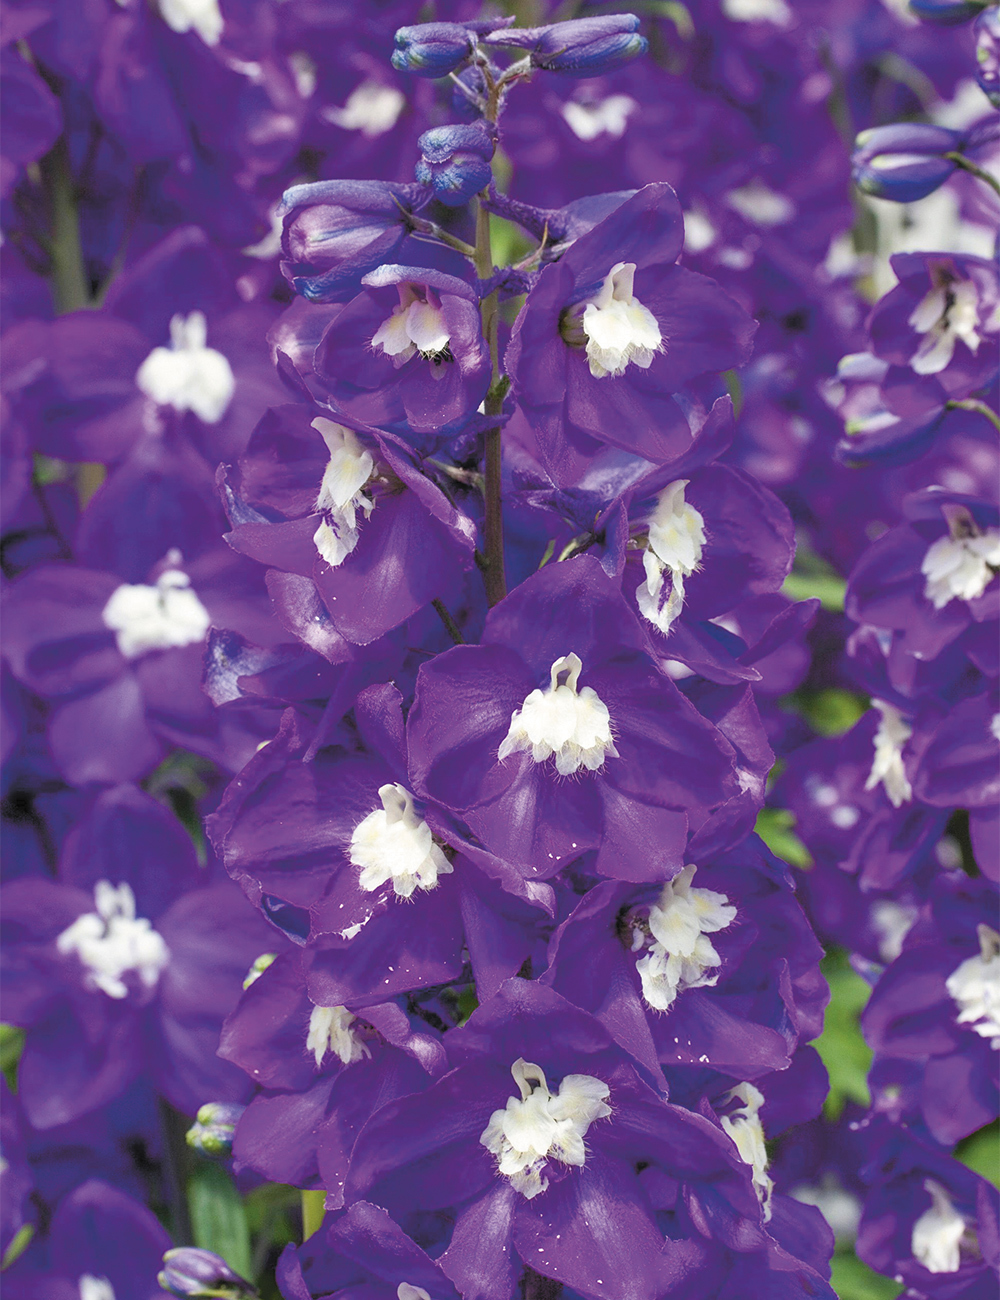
x,y
455,160
904,162
212,1132
947,13
432,49
987,31
196,1274
582,47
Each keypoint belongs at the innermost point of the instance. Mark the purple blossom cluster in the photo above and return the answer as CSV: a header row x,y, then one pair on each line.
x,y
433,709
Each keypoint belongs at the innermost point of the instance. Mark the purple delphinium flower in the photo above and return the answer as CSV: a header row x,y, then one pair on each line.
x,y
558,735
614,328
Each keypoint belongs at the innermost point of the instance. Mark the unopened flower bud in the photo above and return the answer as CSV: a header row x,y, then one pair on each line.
x,y
212,1132
455,160
582,47
947,13
904,162
432,49
197,1274
987,31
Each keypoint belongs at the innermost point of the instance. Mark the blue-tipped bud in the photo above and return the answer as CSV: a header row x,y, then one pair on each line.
x,y
582,47
987,31
455,160
196,1274
904,162
432,49
213,1129
948,13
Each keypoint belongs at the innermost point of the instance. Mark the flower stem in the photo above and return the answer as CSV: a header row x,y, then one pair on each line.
x,y
70,290
313,1210
494,575
974,404
960,160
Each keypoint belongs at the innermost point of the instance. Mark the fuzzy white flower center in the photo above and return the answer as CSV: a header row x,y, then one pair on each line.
x,y
371,108
163,617
617,327
604,117
679,955
540,1125
416,325
112,942
330,1031
340,497
673,553
960,567
744,1127
887,767
188,375
406,1291
760,205
937,1234
394,843
975,988
202,15
563,720
758,11
892,922
945,314
95,1288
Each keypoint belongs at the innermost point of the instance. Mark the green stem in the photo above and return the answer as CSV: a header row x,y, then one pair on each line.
x,y
70,287
313,1210
973,404
960,160
450,625
176,1161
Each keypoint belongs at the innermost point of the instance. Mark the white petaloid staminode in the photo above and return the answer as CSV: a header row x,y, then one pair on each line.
x,y
95,1288
163,617
961,565
203,16
602,117
541,1125
330,1031
681,956
758,11
744,1127
406,1291
945,314
676,540
188,375
340,497
112,942
563,720
371,108
618,328
394,843
937,1234
416,325
760,205
975,987
887,767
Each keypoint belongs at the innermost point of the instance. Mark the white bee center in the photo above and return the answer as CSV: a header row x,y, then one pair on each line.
x,y
744,1127
605,117
163,617
892,922
406,1291
945,314
371,108
887,768
340,497
416,325
673,553
540,1125
760,205
112,942
960,567
330,1031
563,720
394,843
188,375
975,988
201,15
95,1288
681,956
618,328
758,11
937,1234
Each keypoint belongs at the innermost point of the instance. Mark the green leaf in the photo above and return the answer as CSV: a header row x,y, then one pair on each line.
x,y
774,826
272,1210
11,1046
830,713
218,1219
854,1280
981,1152
508,243
19,1244
841,1046
828,587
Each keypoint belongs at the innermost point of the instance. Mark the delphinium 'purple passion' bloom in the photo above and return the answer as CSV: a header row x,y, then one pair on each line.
x,y
558,735
615,327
